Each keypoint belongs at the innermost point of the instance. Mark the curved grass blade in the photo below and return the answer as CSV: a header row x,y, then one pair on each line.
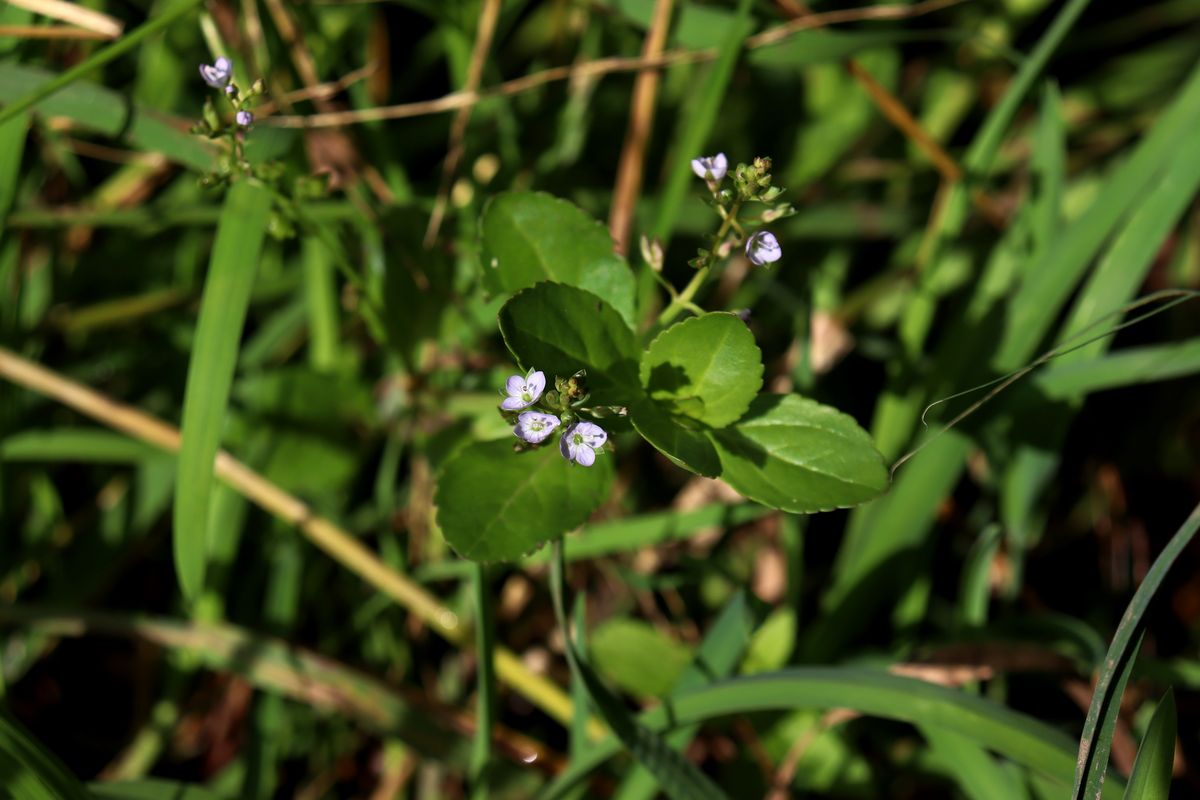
x,y
99,59
152,789
718,655
30,772
1151,776
1089,773
677,776
1018,737
210,371
1100,744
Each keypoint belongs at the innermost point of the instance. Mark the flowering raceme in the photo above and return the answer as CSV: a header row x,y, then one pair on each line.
x,y
542,412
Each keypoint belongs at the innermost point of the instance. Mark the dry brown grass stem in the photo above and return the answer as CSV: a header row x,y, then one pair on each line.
x,y
340,545
59,32
484,34
599,67
75,15
637,135
809,21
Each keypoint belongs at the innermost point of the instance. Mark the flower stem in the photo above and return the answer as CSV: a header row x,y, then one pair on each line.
x,y
683,301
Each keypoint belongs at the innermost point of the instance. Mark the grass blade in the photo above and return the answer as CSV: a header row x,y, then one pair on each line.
x,y
1018,737
719,654
1090,768
28,771
210,371
112,51
677,776
1151,776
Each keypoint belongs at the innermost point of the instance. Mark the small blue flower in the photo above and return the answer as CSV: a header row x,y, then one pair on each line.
x,y
244,118
711,168
217,75
523,392
535,427
763,248
581,441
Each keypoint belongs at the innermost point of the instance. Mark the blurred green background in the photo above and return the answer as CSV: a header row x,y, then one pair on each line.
x,y
976,183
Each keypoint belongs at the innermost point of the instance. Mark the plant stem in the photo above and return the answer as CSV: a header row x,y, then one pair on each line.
x,y
683,300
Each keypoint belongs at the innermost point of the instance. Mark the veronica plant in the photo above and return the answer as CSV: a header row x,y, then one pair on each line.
x,y
691,387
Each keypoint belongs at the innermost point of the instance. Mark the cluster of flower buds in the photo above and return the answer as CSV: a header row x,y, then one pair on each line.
x,y
750,183
536,414
219,75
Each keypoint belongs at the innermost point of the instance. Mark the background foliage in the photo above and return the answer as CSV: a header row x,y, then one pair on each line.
x,y
976,184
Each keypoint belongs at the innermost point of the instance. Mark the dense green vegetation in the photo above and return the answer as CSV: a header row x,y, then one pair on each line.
x,y
859,461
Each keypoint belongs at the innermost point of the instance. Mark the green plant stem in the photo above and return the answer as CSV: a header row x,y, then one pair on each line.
x,y
113,51
485,641
683,300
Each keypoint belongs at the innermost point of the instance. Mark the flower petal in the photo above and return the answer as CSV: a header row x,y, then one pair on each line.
x,y
535,384
513,404
593,435
515,385
584,455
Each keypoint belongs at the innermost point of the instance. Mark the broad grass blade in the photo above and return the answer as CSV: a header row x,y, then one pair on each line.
x,y
210,372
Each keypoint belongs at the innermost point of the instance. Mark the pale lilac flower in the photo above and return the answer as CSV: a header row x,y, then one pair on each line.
x,y
763,248
711,168
523,392
581,441
244,118
534,426
217,75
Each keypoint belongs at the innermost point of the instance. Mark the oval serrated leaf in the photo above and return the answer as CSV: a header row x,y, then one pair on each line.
x,y
532,236
794,454
707,368
561,329
497,505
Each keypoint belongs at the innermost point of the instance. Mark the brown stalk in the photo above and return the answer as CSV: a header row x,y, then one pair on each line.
x,y
458,128
52,32
343,547
598,67
641,119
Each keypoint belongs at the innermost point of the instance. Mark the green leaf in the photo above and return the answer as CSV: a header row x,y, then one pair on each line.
x,y
707,368
497,505
532,236
797,455
562,329
30,772
637,657
683,441
210,371
1151,776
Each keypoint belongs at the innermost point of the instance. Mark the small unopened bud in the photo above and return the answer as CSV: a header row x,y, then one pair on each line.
x,y
244,119
652,253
